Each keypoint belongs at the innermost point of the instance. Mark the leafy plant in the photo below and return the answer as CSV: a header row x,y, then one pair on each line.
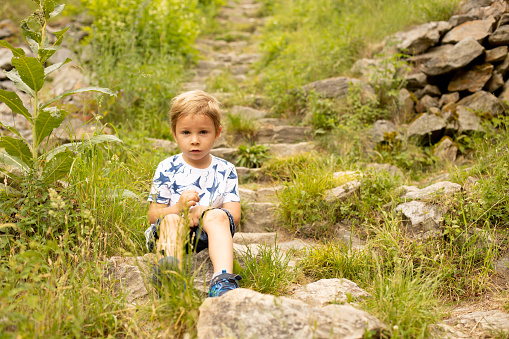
x,y
29,75
252,156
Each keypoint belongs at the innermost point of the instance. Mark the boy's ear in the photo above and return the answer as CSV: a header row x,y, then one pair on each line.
x,y
218,133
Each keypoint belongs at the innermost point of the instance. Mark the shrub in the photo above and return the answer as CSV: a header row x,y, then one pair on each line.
x,y
252,156
242,127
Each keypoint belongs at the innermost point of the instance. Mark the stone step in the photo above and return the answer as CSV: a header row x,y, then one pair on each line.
x,y
210,65
260,217
248,112
191,86
241,238
263,194
284,134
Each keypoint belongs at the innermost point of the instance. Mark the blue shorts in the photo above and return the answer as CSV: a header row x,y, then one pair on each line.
x,y
198,238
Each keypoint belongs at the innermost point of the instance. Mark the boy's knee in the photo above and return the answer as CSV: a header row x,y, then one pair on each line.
x,y
216,217
170,221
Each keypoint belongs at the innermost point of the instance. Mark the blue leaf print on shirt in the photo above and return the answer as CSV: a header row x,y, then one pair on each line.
x,y
174,168
162,179
232,175
234,190
197,183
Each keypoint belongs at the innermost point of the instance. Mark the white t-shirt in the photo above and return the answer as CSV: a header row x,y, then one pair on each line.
x,y
216,184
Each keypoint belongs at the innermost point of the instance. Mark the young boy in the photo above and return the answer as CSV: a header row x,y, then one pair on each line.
x,y
195,193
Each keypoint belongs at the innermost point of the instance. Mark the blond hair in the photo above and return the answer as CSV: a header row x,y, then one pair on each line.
x,y
195,103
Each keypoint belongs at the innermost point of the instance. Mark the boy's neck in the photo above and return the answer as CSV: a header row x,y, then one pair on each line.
x,y
202,164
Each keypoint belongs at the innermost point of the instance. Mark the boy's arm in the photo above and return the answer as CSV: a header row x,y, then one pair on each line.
x,y
187,199
234,209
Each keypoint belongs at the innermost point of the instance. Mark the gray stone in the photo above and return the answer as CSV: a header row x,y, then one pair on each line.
x,y
405,107
504,20
500,36
446,150
5,59
226,153
342,192
61,55
494,320
336,87
260,217
254,238
247,195
472,79
245,173
268,194
473,4
477,29
249,314
468,121
419,217
504,95
463,53
283,134
208,64
456,20
421,38
503,66
496,54
496,81
426,103
246,58
382,130
287,150
248,112
497,8
163,144
416,80
430,53
68,77
327,291
432,191
432,90
427,127
483,102
448,98
391,169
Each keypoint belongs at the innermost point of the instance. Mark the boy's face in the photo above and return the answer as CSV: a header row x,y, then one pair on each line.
x,y
195,135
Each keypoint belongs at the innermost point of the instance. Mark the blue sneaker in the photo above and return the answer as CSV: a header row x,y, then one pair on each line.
x,y
161,271
223,283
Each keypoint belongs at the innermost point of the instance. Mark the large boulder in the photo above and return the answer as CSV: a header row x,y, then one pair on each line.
x,y
249,314
427,128
483,102
462,54
500,36
468,120
477,29
471,79
337,87
419,39
432,191
260,217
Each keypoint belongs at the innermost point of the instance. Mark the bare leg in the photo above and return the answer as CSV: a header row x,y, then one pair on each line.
x,y
172,234
217,225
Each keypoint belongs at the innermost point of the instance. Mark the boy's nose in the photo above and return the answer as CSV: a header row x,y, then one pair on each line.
x,y
194,139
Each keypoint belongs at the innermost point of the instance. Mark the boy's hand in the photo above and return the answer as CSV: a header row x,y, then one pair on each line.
x,y
188,199
195,214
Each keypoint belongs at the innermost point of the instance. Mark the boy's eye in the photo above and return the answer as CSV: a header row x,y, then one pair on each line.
x,y
204,132
185,132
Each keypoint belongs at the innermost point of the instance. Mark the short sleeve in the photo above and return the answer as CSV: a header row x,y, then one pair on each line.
x,y
160,191
231,193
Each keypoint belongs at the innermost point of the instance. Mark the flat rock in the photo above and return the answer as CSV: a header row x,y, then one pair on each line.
x,y
287,150
419,39
456,20
229,154
260,217
483,102
496,54
248,112
242,238
472,79
448,98
336,87
327,291
463,53
383,130
405,106
433,191
416,80
249,314
496,82
477,29
343,191
500,36
246,58
420,218
425,103
487,320
284,134
427,128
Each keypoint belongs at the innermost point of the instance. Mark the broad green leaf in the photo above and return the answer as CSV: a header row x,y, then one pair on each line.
x,y
47,120
80,90
16,148
58,9
13,101
50,69
48,6
15,51
27,32
34,46
12,129
30,70
82,145
58,167
13,75
9,160
48,52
